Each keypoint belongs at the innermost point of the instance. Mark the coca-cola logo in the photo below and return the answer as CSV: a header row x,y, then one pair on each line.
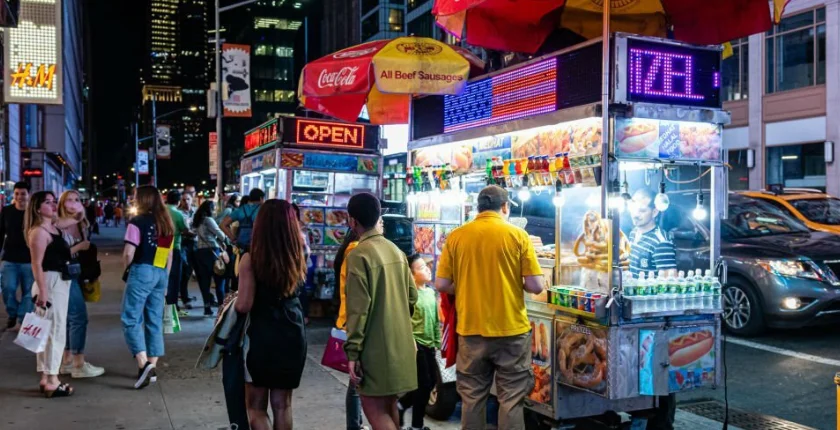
x,y
354,54
346,76
419,48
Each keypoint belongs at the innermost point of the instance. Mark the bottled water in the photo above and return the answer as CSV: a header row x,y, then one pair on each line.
x,y
705,282
661,291
629,286
716,287
673,294
640,304
691,290
682,298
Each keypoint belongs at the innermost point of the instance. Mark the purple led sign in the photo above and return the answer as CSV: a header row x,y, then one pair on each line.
x,y
672,74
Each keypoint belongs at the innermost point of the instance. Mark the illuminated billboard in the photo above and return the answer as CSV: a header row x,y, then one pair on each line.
x,y
32,53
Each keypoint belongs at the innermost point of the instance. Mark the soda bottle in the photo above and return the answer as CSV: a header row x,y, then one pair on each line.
x,y
558,168
567,170
446,176
500,172
530,173
552,171
488,170
409,179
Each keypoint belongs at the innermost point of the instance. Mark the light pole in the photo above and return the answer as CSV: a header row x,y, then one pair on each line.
x,y
219,108
138,139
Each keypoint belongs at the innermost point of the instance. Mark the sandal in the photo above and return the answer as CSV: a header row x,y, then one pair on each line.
x,y
63,390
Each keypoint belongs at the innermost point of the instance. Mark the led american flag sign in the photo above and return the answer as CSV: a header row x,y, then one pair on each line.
x,y
525,91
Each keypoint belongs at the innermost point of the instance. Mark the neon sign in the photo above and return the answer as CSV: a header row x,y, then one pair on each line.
x,y
263,135
519,93
330,134
43,78
32,50
672,74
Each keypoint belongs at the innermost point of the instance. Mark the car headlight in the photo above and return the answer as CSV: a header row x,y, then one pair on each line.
x,y
792,269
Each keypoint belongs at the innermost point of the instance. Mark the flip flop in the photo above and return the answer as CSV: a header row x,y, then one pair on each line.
x,y
63,390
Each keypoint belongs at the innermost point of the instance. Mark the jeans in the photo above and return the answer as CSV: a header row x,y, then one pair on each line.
x,y
17,275
77,320
49,361
205,258
142,309
175,279
187,266
353,406
419,398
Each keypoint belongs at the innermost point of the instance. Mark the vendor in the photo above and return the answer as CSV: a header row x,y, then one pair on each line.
x,y
651,249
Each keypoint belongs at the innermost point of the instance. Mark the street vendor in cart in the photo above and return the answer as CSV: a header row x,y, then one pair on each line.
x,y
652,251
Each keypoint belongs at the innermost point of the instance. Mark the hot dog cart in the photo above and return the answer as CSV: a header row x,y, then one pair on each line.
x,y
318,165
627,231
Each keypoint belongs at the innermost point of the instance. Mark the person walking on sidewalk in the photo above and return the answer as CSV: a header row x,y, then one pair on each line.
x,y
118,214
380,292
76,236
147,257
175,272
187,247
245,215
16,270
427,336
230,268
352,403
210,246
483,265
50,255
270,274
109,213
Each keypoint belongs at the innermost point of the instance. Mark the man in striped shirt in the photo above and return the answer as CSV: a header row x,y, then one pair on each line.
x,y
651,250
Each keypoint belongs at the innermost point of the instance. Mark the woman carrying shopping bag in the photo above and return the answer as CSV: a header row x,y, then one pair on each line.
x,y
148,257
210,246
53,272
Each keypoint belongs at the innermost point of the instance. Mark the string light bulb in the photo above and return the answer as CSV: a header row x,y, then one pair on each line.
x,y
662,202
524,194
700,213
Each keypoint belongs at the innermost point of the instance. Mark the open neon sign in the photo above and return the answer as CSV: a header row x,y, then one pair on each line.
x,y
671,74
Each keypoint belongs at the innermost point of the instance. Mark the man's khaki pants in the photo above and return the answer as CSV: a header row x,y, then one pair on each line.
x,y
479,358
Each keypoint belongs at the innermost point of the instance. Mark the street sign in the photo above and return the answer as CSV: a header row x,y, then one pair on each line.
x,y
143,162
236,80
163,139
213,156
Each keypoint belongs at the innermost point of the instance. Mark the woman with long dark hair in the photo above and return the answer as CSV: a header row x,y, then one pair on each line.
x,y
269,278
210,244
147,257
51,291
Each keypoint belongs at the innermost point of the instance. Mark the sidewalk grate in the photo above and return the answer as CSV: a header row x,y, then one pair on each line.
x,y
716,410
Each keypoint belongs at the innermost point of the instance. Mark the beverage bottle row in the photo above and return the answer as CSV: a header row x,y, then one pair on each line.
x,y
533,171
665,292
418,179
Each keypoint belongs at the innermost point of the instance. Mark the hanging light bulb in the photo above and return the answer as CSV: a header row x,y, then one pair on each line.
x,y
625,189
524,194
662,202
700,213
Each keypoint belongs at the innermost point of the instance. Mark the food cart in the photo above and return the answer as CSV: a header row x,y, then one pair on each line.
x,y
318,165
605,337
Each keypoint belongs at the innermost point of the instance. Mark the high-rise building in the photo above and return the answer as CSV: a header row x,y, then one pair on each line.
x,y
339,30
382,19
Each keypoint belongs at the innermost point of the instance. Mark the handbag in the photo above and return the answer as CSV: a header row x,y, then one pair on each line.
x,y
91,267
334,356
92,291
220,265
71,271
171,322
34,332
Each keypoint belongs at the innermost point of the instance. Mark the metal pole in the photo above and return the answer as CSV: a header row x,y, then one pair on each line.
x,y
605,110
136,155
154,139
219,110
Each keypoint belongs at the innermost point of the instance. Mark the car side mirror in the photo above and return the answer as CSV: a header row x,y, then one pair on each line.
x,y
687,234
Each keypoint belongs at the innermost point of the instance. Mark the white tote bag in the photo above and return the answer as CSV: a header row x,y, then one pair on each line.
x,y
34,332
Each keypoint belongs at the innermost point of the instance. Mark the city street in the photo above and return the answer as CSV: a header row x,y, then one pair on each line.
x,y
784,374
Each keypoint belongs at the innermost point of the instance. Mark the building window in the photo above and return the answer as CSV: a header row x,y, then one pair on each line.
x,y
370,26
262,50
736,73
414,4
795,52
422,26
284,96
739,174
800,166
264,95
369,5
395,20
284,51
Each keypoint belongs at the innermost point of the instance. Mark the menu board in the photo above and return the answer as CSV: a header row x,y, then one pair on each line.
x,y
582,356
325,226
643,138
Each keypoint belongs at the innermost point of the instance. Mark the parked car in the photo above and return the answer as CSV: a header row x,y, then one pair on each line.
x,y
817,210
780,274
400,230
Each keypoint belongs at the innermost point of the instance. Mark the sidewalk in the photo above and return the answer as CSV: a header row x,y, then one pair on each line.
x,y
183,398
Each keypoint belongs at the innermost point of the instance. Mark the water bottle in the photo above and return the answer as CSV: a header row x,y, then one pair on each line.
x,y
716,288
682,300
705,283
651,292
629,288
694,297
662,296
642,295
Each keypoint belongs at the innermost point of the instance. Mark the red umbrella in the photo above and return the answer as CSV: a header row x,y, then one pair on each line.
x,y
523,25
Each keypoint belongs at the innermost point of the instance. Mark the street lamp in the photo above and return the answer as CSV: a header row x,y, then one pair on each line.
x,y
219,107
137,138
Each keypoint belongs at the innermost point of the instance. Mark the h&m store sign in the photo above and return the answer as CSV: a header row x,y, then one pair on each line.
x,y
313,134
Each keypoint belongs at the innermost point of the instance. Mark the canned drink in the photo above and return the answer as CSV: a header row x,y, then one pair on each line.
x,y
572,299
563,297
589,304
581,301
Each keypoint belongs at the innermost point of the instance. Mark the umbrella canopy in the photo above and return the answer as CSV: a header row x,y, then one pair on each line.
x,y
383,75
523,25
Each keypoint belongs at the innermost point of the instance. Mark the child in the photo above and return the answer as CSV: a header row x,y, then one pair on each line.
x,y
427,336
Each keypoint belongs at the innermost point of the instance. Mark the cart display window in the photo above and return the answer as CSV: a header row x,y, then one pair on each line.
x,y
312,188
265,180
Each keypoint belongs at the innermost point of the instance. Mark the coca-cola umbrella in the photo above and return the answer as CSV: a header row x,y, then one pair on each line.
x,y
383,75
523,25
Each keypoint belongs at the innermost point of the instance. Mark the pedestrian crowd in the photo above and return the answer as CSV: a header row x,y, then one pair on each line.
x,y
250,259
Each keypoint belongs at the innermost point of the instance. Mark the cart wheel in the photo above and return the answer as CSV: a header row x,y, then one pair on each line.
x,y
442,401
742,312
534,421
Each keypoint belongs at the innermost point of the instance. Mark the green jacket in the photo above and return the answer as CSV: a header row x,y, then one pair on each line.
x,y
179,223
380,290
425,319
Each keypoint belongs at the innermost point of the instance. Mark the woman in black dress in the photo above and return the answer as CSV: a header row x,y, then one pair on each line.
x,y
275,345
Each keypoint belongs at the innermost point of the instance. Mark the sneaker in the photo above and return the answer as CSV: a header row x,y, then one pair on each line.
x,y
87,371
144,375
208,312
153,377
65,369
183,313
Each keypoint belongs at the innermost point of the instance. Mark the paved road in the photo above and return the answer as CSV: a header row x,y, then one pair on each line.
x,y
796,388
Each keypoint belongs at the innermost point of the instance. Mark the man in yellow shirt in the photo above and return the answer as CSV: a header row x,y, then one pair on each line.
x,y
489,264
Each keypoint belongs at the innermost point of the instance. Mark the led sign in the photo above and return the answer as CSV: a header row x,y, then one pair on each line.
x,y
525,91
330,134
263,135
671,74
32,55
33,173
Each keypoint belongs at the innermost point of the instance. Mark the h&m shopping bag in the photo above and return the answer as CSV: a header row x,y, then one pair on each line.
x,y
171,322
334,356
34,332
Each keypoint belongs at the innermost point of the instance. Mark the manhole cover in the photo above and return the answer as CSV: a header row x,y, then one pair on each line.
x,y
715,410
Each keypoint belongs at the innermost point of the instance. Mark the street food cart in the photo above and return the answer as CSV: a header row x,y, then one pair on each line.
x,y
318,165
612,331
